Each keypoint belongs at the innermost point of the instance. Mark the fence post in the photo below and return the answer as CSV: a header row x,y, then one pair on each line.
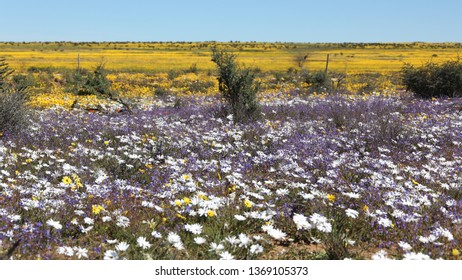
x,y
327,64
78,63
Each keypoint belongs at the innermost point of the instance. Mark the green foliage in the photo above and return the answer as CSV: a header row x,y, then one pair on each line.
x,y
13,110
434,80
238,86
172,74
94,83
160,92
192,69
319,79
5,71
22,82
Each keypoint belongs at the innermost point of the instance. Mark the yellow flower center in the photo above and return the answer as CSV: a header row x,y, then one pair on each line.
x,y
67,180
248,203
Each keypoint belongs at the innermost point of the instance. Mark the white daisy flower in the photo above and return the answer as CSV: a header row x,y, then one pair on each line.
x,y
199,240
216,247
240,217
123,221
416,256
226,256
143,242
256,249
54,224
404,245
81,252
380,255
122,246
301,222
194,228
321,223
156,234
173,238
111,255
352,213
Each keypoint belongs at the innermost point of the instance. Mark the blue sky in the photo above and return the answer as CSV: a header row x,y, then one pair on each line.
x,y
236,20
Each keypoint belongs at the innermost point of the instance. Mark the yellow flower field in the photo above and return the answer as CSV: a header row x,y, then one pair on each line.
x,y
163,57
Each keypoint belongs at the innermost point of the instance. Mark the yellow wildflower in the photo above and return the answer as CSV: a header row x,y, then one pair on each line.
x,y
248,203
455,252
231,188
331,197
181,216
366,208
77,182
67,180
211,213
96,209
186,200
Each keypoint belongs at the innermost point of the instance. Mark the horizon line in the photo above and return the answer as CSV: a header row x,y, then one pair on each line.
x,y
246,42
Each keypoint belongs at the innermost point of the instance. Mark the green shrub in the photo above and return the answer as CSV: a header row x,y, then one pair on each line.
x,y
160,92
434,80
319,79
192,69
21,81
172,74
95,83
13,98
238,86
5,71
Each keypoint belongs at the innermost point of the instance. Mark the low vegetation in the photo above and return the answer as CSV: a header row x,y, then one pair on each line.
x,y
234,162
13,98
434,80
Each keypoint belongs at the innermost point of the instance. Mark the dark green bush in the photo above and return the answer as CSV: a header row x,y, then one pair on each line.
x,y
434,80
238,86
13,98
160,92
94,83
5,71
24,81
319,80
172,74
